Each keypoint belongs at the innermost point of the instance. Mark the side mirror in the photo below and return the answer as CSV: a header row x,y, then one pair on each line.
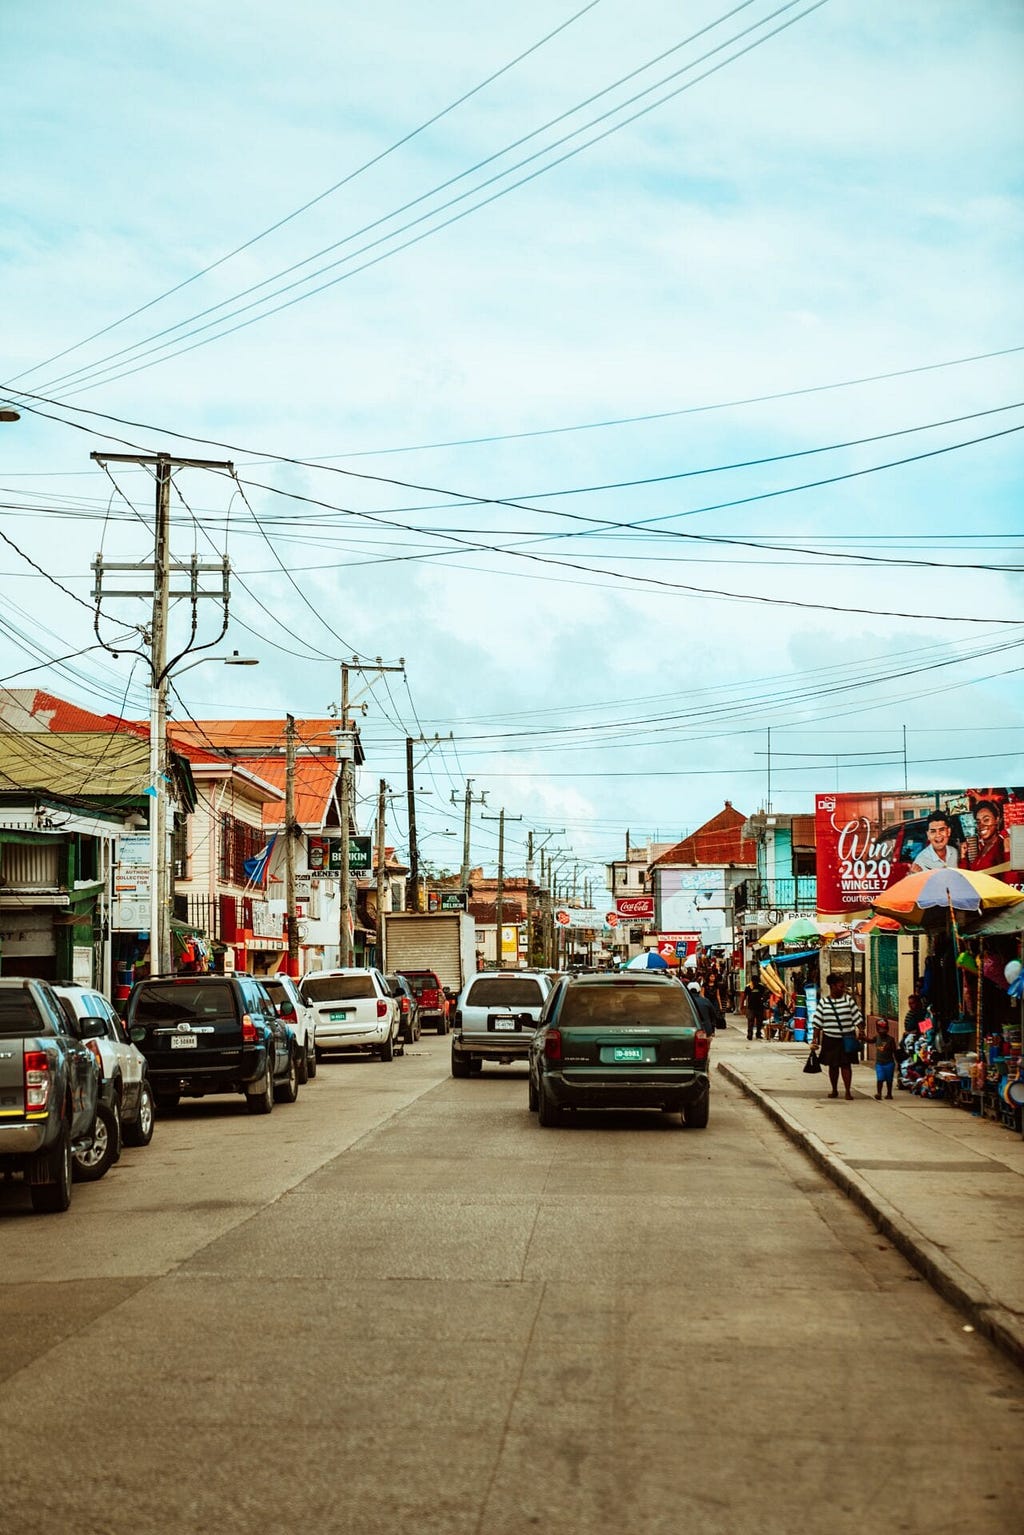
x,y
91,1028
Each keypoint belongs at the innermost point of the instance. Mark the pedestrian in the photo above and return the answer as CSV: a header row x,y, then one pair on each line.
x,y
838,1029
754,1005
708,1011
916,1013
885,1059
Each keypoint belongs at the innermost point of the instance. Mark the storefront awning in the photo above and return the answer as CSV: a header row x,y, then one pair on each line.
x,y
794,959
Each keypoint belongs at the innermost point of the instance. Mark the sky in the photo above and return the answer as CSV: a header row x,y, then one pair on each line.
x,y
647,377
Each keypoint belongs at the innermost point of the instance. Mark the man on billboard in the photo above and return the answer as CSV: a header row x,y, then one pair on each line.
x,y
938,854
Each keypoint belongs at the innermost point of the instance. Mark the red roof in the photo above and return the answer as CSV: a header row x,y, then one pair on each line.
x,y
718,841
260,735
315,779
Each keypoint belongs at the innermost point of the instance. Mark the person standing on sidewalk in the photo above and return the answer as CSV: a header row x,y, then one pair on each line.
x,y
885,1058
753,1005
837,1022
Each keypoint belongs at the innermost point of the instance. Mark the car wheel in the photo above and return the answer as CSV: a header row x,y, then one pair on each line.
x,y
318,1054
460,1063
262,1100
95,1160
548,1113
387,1049
442,1025
695,1115
301,1064
312,1061
533,1096
288,1090
166,1103
140,1131
476,1065
53,1197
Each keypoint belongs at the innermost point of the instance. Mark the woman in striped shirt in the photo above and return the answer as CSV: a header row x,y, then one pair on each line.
x,y
837,1019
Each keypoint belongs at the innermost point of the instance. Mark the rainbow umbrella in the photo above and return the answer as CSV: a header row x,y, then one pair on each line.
x,y
964,891
798,930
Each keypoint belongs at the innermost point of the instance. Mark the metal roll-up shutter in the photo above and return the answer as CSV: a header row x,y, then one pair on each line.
x,y
421,942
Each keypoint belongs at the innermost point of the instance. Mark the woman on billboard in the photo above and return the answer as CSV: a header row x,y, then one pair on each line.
x,y
987,848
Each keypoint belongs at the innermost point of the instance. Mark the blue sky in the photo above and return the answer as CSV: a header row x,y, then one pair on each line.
x,y
842,201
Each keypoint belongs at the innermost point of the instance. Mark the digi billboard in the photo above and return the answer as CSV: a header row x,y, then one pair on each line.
x,y
866,842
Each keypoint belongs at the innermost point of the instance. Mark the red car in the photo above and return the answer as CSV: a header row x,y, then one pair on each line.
x,y
431,996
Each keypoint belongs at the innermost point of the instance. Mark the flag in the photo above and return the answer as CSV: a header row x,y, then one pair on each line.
x,y
256,868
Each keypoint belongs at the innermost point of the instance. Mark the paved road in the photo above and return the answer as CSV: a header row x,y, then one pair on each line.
x,y
401,1306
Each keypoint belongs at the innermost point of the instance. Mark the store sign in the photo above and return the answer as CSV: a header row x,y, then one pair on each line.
x,y
323,854
130,910
672,946
588,917
267,919
635,907
447,900
866,842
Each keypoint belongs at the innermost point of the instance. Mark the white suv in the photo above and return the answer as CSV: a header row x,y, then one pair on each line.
x,y
495,1018
353,1010
298,1016
125,1084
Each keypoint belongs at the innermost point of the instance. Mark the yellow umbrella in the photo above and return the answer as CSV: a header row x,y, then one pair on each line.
x,y
798,930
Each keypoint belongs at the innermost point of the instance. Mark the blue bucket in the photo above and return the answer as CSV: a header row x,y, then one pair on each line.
x,y
800,1035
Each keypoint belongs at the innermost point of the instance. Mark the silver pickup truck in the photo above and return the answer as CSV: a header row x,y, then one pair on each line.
x,y
49,1090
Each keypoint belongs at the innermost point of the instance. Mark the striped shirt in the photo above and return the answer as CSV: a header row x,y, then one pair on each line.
x,y
836,1016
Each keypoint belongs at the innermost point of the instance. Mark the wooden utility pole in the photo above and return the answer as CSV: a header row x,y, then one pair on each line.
x,y
412,894
291,920
381,875
160,669
499,902
347,744
469,800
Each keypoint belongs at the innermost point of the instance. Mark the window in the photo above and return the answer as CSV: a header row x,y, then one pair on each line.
x,y
504,991
238,841
337,988
179,847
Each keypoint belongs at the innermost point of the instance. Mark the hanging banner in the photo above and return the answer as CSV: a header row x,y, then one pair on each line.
x,y
866,842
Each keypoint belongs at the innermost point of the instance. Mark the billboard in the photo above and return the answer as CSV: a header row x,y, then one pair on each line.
x,y
635,908
866,842
324,853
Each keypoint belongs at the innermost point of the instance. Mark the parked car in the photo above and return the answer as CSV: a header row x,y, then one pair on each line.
x,y
300,1019
434,1002
408,1006
495,1016
620,1041
354,1010
205,1034
49,1092
124,1080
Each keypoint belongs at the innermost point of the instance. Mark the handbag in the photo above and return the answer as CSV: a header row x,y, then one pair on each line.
x,y
812,1064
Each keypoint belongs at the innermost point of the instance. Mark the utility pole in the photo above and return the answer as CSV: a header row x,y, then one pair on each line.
x,y
499,903
291,921
529,881
381,873
348,736
469,800
160,668
412,894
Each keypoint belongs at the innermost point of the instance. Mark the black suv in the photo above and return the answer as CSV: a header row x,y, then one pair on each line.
x,y
213,1034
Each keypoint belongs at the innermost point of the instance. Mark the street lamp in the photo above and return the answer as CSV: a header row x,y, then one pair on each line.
x,y
159,850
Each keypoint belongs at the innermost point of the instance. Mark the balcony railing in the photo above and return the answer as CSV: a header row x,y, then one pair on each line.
x,y
798,894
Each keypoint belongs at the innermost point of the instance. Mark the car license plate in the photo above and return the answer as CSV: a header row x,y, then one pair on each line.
x,y
184,1042
337,1017
628,1053
505,1023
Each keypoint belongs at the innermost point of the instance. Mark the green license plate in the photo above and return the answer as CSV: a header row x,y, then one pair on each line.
x,y
338,1017
628,1053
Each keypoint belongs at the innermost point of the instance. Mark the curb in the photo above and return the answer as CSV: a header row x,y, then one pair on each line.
x,y
952,1282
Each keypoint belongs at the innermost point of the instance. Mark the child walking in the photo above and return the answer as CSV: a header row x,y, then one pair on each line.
x,y
885,1059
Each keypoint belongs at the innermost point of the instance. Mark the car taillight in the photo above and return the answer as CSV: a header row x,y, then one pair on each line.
x,y
37,1081
405,1004
701,1045
553,1044
458,1020
91,1044
248,1030
382,1009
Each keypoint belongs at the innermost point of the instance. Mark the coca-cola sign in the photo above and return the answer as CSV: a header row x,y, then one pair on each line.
x,y
635,907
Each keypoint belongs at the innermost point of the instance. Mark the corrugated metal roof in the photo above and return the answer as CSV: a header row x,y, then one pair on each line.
x,y
718,841
315,778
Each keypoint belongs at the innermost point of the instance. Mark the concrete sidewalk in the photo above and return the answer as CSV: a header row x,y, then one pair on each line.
x,y
945,1188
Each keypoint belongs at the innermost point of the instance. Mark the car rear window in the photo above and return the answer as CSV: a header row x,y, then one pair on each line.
x,y
428,981
623,1004
177,1001
505,991
278,993
336,988
19,1015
